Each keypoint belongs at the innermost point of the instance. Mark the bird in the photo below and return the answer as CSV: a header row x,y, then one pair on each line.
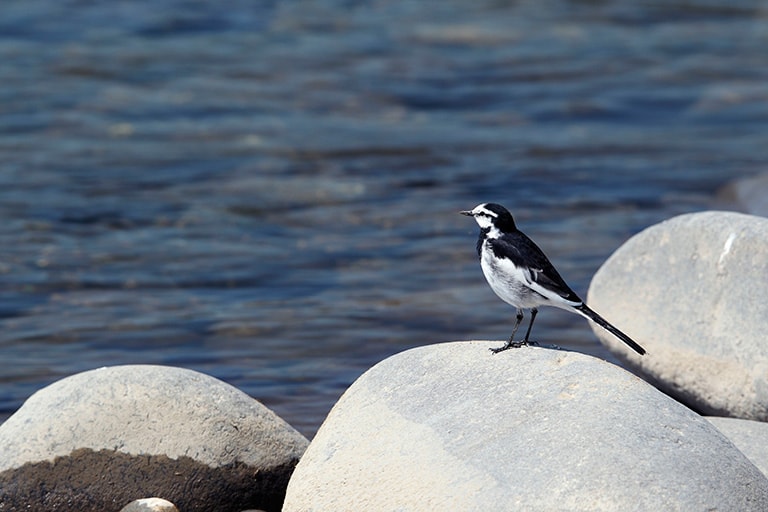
x,y
519,272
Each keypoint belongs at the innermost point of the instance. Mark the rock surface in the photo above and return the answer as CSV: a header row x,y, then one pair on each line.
x,y
150,505
751,437
100,438
747,194
692,290
454,427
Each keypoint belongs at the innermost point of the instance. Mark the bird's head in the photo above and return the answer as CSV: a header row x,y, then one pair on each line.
x,y
492,215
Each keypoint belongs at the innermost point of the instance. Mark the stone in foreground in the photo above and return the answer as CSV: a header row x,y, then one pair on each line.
x,y
751,437
98,439
150,505
693,290
454,427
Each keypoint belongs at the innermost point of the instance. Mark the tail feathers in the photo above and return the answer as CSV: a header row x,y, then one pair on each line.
x,y
602,322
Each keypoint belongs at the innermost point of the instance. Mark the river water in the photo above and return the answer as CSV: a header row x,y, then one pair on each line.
x,y
267,192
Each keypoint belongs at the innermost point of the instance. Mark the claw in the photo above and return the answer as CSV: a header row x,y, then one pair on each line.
x,y
513,344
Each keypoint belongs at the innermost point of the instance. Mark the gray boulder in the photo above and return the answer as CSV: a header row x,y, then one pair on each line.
x,y
103,437
751,437
747,194
150,505
454,427
693,291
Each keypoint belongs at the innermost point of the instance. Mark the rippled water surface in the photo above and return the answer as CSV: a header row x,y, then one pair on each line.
x,y
267,191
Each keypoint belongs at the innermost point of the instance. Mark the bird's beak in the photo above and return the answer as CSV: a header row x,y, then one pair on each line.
x,y
467,212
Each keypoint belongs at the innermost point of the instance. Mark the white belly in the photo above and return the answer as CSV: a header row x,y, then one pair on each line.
x,y
509,283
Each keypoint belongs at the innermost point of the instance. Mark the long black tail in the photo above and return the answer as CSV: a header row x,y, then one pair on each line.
x,y
602,322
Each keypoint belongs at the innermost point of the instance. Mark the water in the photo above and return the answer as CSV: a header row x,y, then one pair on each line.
x,y
267,191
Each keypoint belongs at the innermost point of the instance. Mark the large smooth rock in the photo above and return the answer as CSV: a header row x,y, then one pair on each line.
x,y
150,505
693,290
99,439
751,437
747,194
454,427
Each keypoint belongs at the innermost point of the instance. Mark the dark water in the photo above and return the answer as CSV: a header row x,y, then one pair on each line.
x,y
267,191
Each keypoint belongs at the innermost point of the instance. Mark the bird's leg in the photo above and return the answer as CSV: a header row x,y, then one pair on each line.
x,y
511,343
530,326
518,320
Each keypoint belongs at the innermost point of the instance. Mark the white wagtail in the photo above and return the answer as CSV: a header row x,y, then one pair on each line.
x,y
522,276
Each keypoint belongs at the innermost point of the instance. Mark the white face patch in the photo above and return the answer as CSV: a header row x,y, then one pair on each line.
x,y
483,216
481,208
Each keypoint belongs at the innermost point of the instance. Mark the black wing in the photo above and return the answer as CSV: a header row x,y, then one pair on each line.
x,y
523,252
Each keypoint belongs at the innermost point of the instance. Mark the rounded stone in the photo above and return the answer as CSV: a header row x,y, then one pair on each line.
x,y
454,427
693,291
150,505
105,436
751,437
748,194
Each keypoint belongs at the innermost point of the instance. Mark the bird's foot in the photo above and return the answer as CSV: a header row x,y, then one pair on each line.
x,y
514,344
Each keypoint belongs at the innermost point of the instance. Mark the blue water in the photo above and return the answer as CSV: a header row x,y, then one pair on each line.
x,y
267,191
